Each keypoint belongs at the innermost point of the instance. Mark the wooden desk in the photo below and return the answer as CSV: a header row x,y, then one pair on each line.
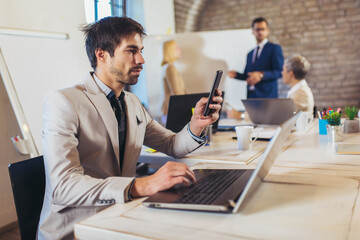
x,y
310,193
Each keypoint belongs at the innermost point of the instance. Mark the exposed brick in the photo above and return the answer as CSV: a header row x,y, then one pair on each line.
x,y
329,7
312,9
310,3
336,80
350,83
330,26
354,18
350,4
352,11
326,32
341,20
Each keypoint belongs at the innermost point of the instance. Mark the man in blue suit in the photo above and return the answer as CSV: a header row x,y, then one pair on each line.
x,y
263,65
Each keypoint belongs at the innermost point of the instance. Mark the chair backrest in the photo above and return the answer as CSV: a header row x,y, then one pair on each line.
x,y
28,186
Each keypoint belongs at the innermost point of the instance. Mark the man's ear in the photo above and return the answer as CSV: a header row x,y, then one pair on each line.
x,y
100,55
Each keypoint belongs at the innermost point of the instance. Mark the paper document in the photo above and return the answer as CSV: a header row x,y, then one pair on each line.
x,y
348,148
233,122
263,133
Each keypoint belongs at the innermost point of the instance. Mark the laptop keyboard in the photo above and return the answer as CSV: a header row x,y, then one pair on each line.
x,y
208,188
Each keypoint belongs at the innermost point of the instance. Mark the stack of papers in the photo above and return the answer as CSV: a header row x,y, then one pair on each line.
x,y
263,133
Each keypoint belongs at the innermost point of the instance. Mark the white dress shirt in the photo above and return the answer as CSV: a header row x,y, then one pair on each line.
x,y
261,46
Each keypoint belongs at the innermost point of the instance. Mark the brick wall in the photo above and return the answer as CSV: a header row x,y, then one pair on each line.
x,y
326,32
188,14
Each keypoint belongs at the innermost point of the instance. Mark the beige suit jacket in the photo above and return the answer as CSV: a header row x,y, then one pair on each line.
x,y
81,154
173,85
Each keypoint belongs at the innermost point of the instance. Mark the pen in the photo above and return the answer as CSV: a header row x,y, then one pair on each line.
x,y
258,139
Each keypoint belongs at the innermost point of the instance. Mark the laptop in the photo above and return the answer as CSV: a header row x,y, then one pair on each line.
x,y
272,111
180,111
233,186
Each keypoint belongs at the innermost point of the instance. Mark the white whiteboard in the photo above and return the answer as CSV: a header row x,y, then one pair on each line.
x,y
202,54
36,66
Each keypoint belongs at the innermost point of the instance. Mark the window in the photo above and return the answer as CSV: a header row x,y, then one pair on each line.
x,y
97,9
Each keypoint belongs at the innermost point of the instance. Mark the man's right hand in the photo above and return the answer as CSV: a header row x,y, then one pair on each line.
x,y
232,73
166,177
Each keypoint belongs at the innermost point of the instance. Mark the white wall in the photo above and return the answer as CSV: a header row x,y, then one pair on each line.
x,y
38,65
48,15
40,15
159,17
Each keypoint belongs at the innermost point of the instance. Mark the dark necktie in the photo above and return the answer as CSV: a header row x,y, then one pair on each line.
x,y
257,56
118,106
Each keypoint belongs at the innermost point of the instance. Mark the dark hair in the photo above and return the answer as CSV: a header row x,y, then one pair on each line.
x,y
107,33
258,20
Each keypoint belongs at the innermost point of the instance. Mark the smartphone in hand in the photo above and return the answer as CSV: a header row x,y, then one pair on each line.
x,y
213,93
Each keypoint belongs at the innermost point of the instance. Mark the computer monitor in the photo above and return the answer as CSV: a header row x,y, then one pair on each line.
x,y
180,111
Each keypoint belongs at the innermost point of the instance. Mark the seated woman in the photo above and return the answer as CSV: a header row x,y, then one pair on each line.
x,y
294,72
172,80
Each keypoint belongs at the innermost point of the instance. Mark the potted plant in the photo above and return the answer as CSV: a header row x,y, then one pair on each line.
x,y
334,127
351,125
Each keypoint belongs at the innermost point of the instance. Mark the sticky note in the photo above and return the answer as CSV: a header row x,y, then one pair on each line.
x,y
150,150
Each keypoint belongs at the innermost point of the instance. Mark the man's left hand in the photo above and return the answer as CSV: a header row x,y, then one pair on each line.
x,y
254,78
199,121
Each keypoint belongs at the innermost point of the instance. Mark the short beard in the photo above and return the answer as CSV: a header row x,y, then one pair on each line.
x,y
122,77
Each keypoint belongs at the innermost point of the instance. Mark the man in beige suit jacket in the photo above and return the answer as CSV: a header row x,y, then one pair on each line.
x,y
86,171
294,72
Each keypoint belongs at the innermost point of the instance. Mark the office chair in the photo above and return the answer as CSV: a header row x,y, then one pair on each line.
x,y
28,186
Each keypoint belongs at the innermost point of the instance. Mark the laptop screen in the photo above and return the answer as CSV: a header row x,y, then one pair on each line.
x,y
269,110
180,111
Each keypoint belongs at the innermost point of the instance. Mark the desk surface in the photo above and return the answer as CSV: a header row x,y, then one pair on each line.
x,y
222,149
310,193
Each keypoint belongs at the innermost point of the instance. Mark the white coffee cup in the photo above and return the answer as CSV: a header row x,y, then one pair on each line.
x,y
244,134
302,122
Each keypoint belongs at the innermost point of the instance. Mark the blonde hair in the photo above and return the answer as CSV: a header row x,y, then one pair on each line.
x,y
169,52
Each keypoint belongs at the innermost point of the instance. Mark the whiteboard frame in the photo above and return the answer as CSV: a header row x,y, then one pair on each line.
x,y
18,110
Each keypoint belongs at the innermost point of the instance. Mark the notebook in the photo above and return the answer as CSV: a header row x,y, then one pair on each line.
x,y
348,148
233,186
271,111
180,111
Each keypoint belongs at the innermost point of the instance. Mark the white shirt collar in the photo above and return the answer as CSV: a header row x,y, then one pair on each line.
x,y
296,87
102,85
262,44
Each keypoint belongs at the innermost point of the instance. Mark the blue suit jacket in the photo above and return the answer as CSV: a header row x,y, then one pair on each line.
x,y
270,62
